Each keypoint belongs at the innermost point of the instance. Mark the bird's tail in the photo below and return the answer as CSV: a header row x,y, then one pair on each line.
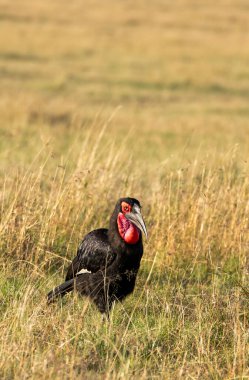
x,y
61,290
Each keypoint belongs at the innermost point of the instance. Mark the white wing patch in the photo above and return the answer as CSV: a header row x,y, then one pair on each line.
x,y
83,271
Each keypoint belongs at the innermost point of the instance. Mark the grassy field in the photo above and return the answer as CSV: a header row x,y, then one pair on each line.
x,y
122,98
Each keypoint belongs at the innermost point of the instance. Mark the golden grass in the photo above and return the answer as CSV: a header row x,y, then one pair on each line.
x,y
100,101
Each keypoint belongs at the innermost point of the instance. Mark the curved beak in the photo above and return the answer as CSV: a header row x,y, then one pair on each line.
x,y
136,218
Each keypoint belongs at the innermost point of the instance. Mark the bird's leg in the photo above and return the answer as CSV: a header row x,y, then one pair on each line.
x,y
106,313
106,317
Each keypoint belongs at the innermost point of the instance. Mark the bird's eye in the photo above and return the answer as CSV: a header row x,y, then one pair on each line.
x,y
125,207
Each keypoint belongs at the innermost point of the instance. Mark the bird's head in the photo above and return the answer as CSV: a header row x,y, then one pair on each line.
x,y
129,220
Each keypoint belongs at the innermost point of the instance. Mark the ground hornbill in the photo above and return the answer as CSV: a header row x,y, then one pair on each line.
x,y
107,261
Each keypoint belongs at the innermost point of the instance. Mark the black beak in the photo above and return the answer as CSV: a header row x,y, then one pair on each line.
x,y
136,218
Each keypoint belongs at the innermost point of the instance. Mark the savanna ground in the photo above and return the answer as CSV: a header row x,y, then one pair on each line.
x,y
104,99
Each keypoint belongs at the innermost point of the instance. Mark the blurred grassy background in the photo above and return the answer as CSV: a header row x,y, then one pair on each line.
x,y
101,100
178,72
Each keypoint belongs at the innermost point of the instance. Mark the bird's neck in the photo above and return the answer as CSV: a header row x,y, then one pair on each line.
x,y
126,254
127,230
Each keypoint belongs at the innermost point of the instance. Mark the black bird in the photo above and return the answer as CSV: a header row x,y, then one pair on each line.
x,y
108,260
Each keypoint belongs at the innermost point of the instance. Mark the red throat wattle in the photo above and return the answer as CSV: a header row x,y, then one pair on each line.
x,y
128,232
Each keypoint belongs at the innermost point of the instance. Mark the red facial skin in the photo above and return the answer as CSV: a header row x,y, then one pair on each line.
x,y
127,230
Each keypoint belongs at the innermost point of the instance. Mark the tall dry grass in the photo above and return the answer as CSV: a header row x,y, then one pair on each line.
x,y
189,314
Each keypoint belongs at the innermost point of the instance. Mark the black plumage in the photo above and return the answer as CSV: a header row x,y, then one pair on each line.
x,y
94,253
108,260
